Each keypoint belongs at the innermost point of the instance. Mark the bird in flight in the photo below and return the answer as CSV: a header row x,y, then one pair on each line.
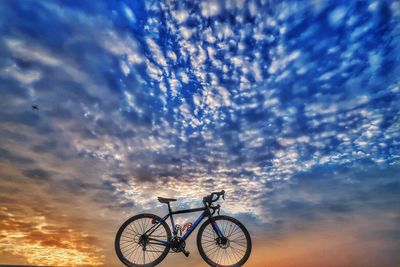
x,y
35,107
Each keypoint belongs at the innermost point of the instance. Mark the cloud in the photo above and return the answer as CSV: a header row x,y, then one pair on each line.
x,y
282,106
340,192
7,156
37,174
37,241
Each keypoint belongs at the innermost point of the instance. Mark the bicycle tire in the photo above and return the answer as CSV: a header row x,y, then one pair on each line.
x,y
201,236
126,259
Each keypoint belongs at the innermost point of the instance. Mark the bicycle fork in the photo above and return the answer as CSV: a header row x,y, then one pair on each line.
x,y
221,239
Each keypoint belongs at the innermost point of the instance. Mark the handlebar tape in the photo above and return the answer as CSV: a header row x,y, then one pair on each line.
x,y
210,198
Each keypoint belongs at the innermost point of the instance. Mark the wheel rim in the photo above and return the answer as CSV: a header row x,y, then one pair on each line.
x,y
225,252
136,247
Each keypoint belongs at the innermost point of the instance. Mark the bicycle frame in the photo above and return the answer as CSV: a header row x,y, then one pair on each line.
x,y
206,213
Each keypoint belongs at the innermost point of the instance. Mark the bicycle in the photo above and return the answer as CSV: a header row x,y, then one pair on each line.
x,y
145,239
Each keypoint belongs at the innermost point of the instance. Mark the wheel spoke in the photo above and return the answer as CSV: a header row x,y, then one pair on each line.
x,y
213,250
132,241
229,252
134,250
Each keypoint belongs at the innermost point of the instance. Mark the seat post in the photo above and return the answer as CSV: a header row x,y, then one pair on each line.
x,y
169,208
172,219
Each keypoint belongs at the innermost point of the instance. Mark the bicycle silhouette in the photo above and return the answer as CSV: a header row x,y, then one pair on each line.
x,y
145,239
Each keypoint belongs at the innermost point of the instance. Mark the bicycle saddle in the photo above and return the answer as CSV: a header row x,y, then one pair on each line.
x,y
166,200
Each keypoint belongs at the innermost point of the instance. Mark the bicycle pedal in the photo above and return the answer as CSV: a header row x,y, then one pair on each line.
x,y
186,253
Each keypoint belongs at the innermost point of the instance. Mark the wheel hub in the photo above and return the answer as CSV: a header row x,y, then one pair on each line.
x,y
223,242
143,240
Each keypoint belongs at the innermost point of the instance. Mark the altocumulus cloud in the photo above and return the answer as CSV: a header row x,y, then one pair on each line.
x,y
291,107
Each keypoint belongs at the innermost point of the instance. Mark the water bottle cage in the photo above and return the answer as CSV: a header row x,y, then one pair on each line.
x,y
186,227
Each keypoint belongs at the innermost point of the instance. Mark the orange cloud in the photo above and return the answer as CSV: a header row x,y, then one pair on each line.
x,y
32,238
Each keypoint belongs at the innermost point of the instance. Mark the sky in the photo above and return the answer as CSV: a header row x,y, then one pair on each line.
x,y
293,108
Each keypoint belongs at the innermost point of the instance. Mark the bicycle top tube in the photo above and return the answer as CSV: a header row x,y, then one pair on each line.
x,y
188,210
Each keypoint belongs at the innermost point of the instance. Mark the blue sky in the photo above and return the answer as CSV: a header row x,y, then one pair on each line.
x,y
292,107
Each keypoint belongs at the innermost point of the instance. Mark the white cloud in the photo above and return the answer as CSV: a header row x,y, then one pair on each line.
x,y
163,87
210,8
208,35
185,32
171,55
129,13
153,71
156,52
196,100
22,50
124,67
180,15
121,46
337,15
174,84
23,76
184,77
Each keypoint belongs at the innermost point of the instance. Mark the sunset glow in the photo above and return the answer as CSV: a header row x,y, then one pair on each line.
x,y
40,243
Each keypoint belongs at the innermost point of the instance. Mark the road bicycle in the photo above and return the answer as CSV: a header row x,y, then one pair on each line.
x,y
145,240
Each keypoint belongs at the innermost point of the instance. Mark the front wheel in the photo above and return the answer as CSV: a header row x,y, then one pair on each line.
x,y
232,251
136,245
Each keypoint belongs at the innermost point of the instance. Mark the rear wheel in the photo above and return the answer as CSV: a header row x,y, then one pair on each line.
x,y
231,251
135,248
